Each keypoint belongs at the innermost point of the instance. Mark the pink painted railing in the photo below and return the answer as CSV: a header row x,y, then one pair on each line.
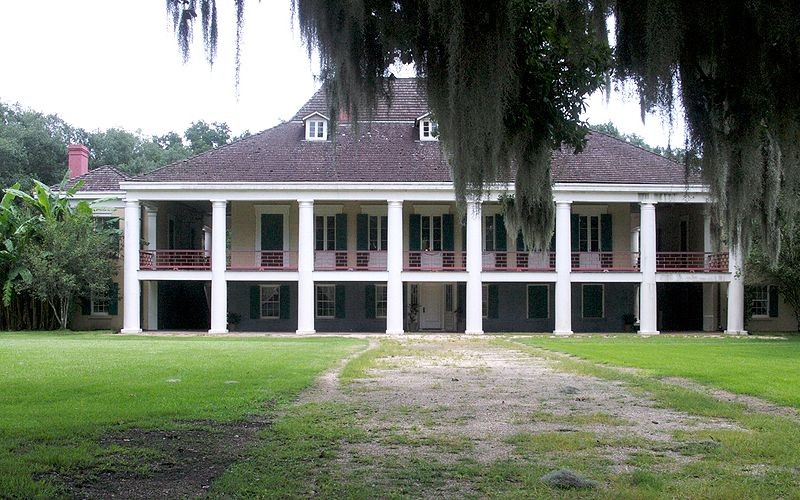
x,y
349,260
692,261
605,261
434,261
519,261
174,260
262,260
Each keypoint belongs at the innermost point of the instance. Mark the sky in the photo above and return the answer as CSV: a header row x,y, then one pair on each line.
x,y
115,63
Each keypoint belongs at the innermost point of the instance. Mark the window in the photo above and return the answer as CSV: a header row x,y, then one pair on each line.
x,y
380,301
100,306
428,130
592,305
316,130
489,233
270,301
538,301
326,301
377,231
325,232
485,301
759,303
589,233
431,236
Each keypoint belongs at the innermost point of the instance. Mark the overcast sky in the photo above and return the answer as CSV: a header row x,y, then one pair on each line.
x,y
108,63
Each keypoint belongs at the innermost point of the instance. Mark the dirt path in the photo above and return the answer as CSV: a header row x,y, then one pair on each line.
x,y
453,398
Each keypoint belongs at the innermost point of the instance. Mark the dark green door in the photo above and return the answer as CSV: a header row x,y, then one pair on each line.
x,y
271,232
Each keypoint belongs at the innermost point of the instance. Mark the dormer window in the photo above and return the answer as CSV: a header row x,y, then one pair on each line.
x,y
428,129
316,127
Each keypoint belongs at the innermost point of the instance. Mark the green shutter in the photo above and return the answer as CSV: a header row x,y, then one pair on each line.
x,y
271,232
341,231
537,301
286,302
606,233
575,230
553,242
773,301
362,238
414,224
463,234
369,301
255,302
493,301
86,306
592,301
340,306
520,242
461,291
448,244
113,299
500,234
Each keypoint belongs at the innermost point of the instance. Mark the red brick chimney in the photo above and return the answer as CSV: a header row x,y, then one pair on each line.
x,y
78,162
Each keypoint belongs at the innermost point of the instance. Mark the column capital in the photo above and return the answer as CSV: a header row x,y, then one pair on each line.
x,y
305,203
131,202
648,204
395,203
563,203
150,209
219,203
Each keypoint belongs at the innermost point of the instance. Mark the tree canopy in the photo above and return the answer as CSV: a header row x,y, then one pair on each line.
x,y
507,81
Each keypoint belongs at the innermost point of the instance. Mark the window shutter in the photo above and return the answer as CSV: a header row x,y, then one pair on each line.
x,y
255,302
369,301
553,242
414,223
447,233
86,306
461,290
463,234
606,233
493,301
537,302
113,299
592,301
362,240
286,302
520,242
500,234
341,231
773,301
340,306
575,230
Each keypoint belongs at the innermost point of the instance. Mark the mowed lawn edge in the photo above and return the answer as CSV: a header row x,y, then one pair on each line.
x,y
767,368
61,391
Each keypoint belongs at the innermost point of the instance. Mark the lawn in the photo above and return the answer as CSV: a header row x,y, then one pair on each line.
x,y
61,392
765,367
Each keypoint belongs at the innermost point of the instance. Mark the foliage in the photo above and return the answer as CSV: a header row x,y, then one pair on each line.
x,y
203,136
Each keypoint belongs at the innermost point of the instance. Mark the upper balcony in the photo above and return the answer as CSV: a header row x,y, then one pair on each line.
x,y
349,260
174,260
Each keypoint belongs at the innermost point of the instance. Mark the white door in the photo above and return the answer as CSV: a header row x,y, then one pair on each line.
x,y
430,303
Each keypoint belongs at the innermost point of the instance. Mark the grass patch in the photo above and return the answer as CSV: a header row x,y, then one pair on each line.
x,y
61,392
597,418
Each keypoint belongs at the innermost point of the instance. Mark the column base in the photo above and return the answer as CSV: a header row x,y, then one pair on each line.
x,y
648,334
131,330
217,331
735,332
395,332
473,332
562,333
305,332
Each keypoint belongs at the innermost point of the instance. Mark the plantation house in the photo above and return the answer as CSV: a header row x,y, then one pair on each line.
x,y
306,228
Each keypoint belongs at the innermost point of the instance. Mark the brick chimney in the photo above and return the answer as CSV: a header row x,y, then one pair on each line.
x,y
78,160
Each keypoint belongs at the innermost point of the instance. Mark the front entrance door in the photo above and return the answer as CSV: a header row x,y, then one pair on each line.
x,y
430,304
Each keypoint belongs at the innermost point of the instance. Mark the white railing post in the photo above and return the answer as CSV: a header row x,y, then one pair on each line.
x,y
305,268
648,308
394,268
474,311
563,306
131,322
219,286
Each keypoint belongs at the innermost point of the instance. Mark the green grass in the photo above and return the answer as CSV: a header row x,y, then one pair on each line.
x,y
60,392
767,368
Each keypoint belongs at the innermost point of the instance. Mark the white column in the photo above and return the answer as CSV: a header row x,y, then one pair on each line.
x,y
709,297
736,290
563,324
635,257
131,322
305,268
219,287
394,266
151,287
474,263
648,309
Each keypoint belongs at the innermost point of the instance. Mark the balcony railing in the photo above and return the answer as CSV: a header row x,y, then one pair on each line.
x,y
435,261
519,261
350,260
605,261
262,260
692,262
174,260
